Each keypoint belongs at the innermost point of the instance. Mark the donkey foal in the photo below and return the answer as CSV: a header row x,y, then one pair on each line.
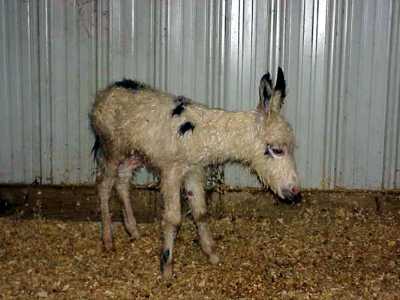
x,y
137,126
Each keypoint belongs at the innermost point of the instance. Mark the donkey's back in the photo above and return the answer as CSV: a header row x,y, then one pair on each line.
x,y
131,117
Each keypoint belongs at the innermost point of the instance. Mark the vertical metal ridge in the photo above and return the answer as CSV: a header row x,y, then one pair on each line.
x,y
44,92
344,53
14,93
210,41
5,120
396,95
328,164
86,86
391,173
102,42
58,90
161,44
73,13
27,64
223,52
35,88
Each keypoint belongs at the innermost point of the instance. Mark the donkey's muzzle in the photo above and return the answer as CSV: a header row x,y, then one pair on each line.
x,y
292,195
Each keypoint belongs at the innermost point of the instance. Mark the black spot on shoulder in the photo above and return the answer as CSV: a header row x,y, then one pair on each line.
x,y
185,127
178,110
180,102
130,84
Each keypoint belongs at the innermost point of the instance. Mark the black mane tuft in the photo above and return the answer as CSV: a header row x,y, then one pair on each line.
x,y
180,102
129,84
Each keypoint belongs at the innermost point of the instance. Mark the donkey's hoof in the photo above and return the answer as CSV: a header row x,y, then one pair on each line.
x,y
108,246
134,235
213,259
167,272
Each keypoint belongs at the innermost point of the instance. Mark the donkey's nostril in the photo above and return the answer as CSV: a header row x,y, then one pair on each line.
x,y
295,190
292,195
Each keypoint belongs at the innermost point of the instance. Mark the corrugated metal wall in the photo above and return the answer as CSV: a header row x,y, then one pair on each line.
x,y
341,58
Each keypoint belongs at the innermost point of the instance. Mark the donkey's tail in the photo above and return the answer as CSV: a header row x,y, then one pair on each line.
x,y
96,149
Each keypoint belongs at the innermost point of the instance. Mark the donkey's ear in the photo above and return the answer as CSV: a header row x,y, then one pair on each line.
x,y
265,90
280,84
279,92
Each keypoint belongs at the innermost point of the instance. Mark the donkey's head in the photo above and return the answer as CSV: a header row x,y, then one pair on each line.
x,y
274,160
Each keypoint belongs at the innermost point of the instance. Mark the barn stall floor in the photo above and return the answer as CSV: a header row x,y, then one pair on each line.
x,y
311,254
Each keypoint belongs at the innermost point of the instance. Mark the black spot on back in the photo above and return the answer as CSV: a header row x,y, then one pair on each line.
x,y
180,102
129,84
185,127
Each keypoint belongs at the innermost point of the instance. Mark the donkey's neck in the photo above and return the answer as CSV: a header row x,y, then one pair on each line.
x,y
233,137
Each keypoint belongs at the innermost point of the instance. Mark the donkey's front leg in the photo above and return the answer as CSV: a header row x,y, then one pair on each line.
x,y
194,186
170,188
125,170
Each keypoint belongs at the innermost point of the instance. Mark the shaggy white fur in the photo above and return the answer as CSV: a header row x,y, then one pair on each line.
x,y
176,137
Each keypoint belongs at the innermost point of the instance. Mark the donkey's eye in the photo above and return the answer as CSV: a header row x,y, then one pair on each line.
x,y
274,151
277,151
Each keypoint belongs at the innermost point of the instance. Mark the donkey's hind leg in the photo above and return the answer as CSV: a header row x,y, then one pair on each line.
x,y
104,188
194,186
125,170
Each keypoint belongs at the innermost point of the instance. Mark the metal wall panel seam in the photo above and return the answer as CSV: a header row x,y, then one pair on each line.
x,y
58,90
391,176
396,85
35,89
44,93
328,164
87,86
115,61
318,85
102,42
15,93
343,77
72,90
377,112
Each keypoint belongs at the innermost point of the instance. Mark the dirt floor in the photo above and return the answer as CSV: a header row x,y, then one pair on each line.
x,y
313,253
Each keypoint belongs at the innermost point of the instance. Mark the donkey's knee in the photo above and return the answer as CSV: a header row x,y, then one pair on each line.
x,y
198,208
128,216
172,217
196,198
